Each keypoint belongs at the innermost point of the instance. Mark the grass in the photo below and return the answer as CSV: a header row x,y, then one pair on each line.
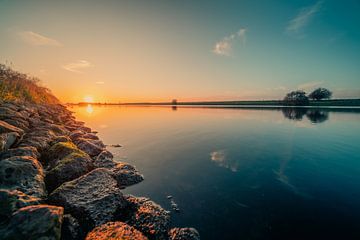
x,y
19,87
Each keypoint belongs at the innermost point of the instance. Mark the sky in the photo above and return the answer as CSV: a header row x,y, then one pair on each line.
x,y
159,50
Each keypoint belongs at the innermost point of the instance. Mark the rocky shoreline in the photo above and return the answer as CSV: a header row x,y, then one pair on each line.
x,y
58,181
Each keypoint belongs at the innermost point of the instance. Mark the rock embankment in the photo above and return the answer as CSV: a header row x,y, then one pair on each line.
x,y
58,181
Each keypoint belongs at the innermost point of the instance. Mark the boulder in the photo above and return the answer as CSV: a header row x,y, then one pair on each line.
x,y
19,123
20,151
58,139
7,140
115,231
35,222
184,234
90,147
126,175
93,199
11,201
149,218
23,173
68,168
58,151
105,160
5,128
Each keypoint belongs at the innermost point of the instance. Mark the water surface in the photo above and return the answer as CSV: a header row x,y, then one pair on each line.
x,y
243,173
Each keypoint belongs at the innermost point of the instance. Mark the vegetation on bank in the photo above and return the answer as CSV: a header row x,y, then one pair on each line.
x,y
20,87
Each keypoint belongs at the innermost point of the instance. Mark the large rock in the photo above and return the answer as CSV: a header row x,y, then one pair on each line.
x,y
115,231
7,140
20,151
126,174
68,168
93,199
57,152
35,222
184,234
11,201
105,160
91,147
149,218
5,128
18,122
24,174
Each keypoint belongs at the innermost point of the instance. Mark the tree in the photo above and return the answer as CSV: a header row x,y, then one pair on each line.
x,y
298,98
320,93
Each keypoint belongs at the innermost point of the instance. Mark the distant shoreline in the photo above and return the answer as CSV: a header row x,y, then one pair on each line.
x,y
260,103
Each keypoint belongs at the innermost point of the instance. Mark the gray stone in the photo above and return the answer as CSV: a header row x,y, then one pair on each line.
x,y
7,140
5,128
23,173
126,174
20,151
105,160
93,199
90,147
184,234
35,222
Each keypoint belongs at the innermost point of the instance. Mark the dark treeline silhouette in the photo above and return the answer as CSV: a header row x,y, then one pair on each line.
x,y
299,97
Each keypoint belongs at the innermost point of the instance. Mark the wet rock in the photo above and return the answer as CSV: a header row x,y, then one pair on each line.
x,y
149,218
90,147
11,201
20,151
105,160
184,234
115,231
35,222
23,173
70,228
5,128
126,175
93,199
68,168
7,140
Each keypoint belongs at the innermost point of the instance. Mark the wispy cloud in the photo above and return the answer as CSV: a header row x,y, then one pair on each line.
x,y
224,46
310,85
302,19
37,39
77,66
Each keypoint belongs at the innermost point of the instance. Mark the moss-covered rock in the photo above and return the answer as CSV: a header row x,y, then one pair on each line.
x,y
68,168
115,231
23,173
35,222
58,151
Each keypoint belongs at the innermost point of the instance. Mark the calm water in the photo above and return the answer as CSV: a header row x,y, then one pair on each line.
x,y
243,173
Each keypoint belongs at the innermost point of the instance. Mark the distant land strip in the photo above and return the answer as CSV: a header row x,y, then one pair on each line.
x,y
321,103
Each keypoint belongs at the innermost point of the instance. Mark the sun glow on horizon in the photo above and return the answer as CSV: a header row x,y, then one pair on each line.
x,y
88,99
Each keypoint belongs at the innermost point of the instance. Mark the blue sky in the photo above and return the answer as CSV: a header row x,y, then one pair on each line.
x,y
190,50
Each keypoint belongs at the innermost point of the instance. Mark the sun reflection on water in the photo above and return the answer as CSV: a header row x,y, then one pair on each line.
x,y
89,109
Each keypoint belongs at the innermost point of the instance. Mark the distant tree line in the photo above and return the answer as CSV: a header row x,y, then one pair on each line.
x,y
299,97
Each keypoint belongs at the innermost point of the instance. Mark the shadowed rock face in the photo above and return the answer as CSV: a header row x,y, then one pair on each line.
x,y
24,174
115,231
35,222
126,175
93,199
11,201
72,166
5,128
8,139
184,234
20,151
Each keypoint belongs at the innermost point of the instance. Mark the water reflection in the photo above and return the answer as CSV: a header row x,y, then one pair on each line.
x,y
314,115
89,109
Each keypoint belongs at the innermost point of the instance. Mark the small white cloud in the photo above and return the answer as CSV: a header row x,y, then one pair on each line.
x,y
100,82
310,85
224,46
77,66
297,24
36,39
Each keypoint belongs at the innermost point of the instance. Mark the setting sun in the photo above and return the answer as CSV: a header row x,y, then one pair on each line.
x,y
88,99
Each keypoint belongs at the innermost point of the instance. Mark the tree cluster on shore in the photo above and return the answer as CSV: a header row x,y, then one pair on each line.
x,y
299,97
